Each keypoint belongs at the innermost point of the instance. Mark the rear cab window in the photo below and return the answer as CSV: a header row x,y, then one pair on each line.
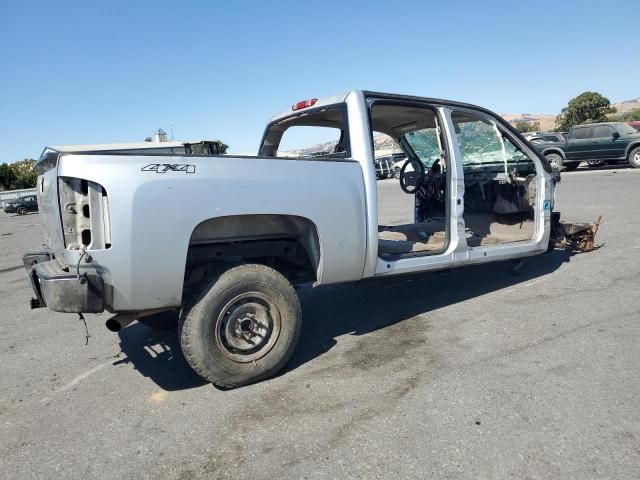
x,y
313,133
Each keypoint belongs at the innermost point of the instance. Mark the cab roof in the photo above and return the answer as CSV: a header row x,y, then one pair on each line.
x,y
321,102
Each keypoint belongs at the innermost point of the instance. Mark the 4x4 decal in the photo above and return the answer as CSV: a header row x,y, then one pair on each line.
x,y
169,167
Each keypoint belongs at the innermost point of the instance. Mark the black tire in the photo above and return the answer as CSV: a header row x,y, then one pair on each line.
x,y
634,157
161,321
21,210
247,305
571,166
555,160
396,173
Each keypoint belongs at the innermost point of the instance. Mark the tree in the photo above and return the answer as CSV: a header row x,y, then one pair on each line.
x,y
18,175
7,177
26,177
588,107
523,127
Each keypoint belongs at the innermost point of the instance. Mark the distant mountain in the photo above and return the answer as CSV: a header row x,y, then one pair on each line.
x,y
547,122
627,106
382,144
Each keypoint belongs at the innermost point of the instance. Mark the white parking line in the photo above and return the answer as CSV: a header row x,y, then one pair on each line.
x,y
84,375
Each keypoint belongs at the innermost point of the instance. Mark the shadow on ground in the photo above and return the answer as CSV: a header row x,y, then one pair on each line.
x,y
156,354
329,312
587,168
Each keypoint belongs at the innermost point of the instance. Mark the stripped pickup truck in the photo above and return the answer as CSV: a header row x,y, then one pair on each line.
x,y
219,243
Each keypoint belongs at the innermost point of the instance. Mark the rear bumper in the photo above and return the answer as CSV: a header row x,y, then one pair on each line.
x,y
60,288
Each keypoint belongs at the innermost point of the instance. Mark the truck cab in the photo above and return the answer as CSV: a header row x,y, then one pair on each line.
x,y
480,191
223,241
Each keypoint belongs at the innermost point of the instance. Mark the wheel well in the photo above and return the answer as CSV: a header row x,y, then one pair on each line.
x,y
554,150
631,147
287,243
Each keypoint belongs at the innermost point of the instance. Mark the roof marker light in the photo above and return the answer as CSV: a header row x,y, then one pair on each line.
x,y
304,104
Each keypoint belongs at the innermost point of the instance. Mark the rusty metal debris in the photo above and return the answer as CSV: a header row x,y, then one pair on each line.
x,y
578,236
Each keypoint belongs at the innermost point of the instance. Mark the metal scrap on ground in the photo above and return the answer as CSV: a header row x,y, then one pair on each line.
x,y
579,236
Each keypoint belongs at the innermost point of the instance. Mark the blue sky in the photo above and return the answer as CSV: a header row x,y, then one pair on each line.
x,y
114,71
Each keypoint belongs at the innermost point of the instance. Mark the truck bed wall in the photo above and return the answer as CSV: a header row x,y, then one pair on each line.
x,y
154,214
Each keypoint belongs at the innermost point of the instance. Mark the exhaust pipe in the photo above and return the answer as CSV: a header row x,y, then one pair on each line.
x,y
119,321
122,320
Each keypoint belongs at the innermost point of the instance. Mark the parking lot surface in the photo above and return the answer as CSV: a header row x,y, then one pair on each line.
x,y
468,374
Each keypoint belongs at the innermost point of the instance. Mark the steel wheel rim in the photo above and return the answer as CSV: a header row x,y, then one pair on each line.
x,y
553,162
248,327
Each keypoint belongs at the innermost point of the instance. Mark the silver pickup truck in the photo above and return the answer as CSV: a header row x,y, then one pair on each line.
x,y
221,242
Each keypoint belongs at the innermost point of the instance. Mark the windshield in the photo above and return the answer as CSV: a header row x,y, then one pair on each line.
x,y
425,144
484,146
625,128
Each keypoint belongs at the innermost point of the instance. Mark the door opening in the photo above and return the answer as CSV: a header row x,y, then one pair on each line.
x,y
499,183
412,209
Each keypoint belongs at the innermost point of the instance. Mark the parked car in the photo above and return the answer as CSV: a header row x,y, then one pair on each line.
x,y
22,205
384,167
635,124
530,135
398,160
610,142
388,166
225,239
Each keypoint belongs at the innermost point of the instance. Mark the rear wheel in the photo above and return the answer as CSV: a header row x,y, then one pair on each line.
x,y
634,157
555,160
243,328
21,210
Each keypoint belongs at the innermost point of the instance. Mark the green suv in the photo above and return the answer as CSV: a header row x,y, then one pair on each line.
x,y
610,142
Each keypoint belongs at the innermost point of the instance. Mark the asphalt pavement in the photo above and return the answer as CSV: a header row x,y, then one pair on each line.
x,y
475,373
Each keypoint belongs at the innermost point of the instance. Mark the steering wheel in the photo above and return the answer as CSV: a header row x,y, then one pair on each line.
x,y
410,181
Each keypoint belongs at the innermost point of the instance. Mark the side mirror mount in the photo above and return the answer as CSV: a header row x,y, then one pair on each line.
x,y
615,134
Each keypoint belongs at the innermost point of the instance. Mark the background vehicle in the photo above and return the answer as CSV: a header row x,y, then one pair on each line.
x,y
223,240
530,135
611,142
398,160
635,124
548,137
384,167
22,205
